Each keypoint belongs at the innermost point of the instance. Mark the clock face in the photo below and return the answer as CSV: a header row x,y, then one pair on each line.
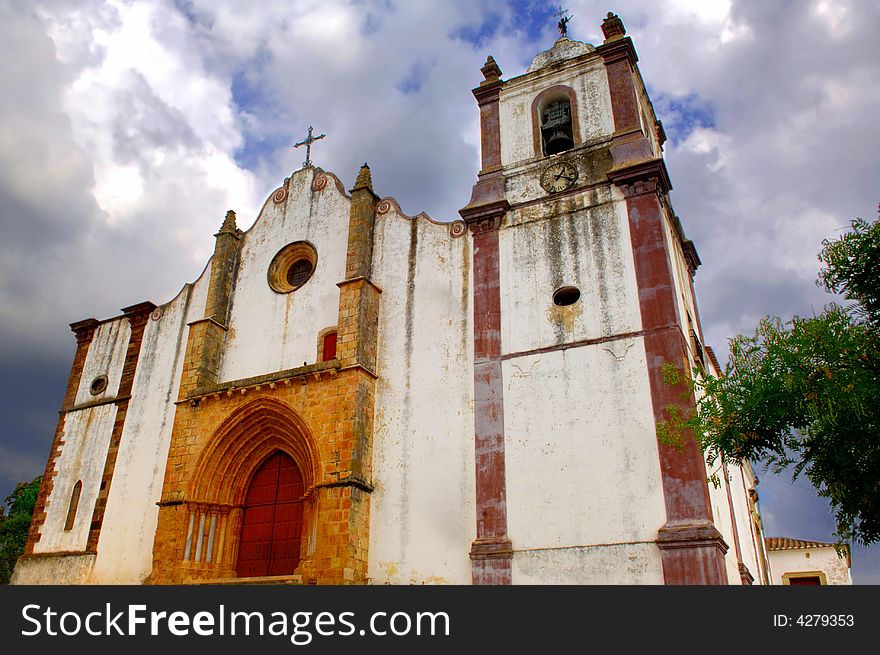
x,y
558,177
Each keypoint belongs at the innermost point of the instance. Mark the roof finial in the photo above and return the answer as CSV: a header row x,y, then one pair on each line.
x,y
562,25
364,178
229,223
490,70
612,27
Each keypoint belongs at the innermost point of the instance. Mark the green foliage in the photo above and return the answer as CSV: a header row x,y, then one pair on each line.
x,y
852,268
14,526
806,393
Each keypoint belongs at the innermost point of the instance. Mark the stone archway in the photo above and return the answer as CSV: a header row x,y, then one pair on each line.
x,y
238,454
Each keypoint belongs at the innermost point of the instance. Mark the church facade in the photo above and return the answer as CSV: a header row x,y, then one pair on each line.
x,y
348,394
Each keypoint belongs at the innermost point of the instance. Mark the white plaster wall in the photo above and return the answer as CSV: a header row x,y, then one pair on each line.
x,y
422,512
739,492
809,559
86,437
720,504
106,356
590,85
67,569
125,547
269,331
581,454
588,248
615,564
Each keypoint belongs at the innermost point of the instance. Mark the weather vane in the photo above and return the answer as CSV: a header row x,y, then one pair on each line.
x,y
562,25
307,142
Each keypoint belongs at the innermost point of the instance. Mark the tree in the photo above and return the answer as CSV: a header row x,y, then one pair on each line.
x,y
806,393
14,526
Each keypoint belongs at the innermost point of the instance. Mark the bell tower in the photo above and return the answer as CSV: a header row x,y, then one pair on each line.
x,y
582,294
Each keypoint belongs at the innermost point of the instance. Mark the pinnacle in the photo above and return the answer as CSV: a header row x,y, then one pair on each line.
x,y
229,222
364,178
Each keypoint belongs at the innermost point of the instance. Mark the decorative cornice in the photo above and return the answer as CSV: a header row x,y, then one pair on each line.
x,y
488,92
492,548
690,535
85,329
618,50
689,250
646,177
139,313
487,201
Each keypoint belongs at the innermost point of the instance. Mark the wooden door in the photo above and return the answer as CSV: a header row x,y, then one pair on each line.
x,y
272,525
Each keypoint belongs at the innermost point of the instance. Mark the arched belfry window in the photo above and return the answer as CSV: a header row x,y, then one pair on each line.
x,y
73,506
555,121
556,132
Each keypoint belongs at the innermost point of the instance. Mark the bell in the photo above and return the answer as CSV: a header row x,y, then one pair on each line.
x,y
556,128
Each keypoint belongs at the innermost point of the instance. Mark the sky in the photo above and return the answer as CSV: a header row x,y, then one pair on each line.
x,y
128,128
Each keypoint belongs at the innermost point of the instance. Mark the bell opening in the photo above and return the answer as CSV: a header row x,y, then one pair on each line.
x,y
556,128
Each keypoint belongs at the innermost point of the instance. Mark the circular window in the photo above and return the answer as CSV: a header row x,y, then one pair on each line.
x,y
565,296
98,385
292,266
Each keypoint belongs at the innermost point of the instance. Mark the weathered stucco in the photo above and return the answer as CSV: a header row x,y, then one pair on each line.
x,y
59,569
126,542
590,85
290,322
86,436
575,419
566,244
106,357
422,509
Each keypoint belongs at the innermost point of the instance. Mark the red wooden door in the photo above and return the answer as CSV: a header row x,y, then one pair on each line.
x,y
272,526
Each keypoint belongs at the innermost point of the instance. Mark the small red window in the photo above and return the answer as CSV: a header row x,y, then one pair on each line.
x,y
328,351
806,580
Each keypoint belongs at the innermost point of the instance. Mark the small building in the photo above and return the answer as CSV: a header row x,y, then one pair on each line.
x,y
800,562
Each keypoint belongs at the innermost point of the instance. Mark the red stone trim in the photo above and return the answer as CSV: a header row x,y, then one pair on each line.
x,y
536,116
487,96
692,550
138,315
491,551
620,60
84,331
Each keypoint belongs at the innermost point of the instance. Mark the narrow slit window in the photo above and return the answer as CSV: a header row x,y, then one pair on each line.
x,y
74,504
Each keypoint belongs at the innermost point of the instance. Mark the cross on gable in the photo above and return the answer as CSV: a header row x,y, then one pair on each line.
x,y
307,142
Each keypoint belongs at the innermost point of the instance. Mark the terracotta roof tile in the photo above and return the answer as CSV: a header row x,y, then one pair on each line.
x,y
786,543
